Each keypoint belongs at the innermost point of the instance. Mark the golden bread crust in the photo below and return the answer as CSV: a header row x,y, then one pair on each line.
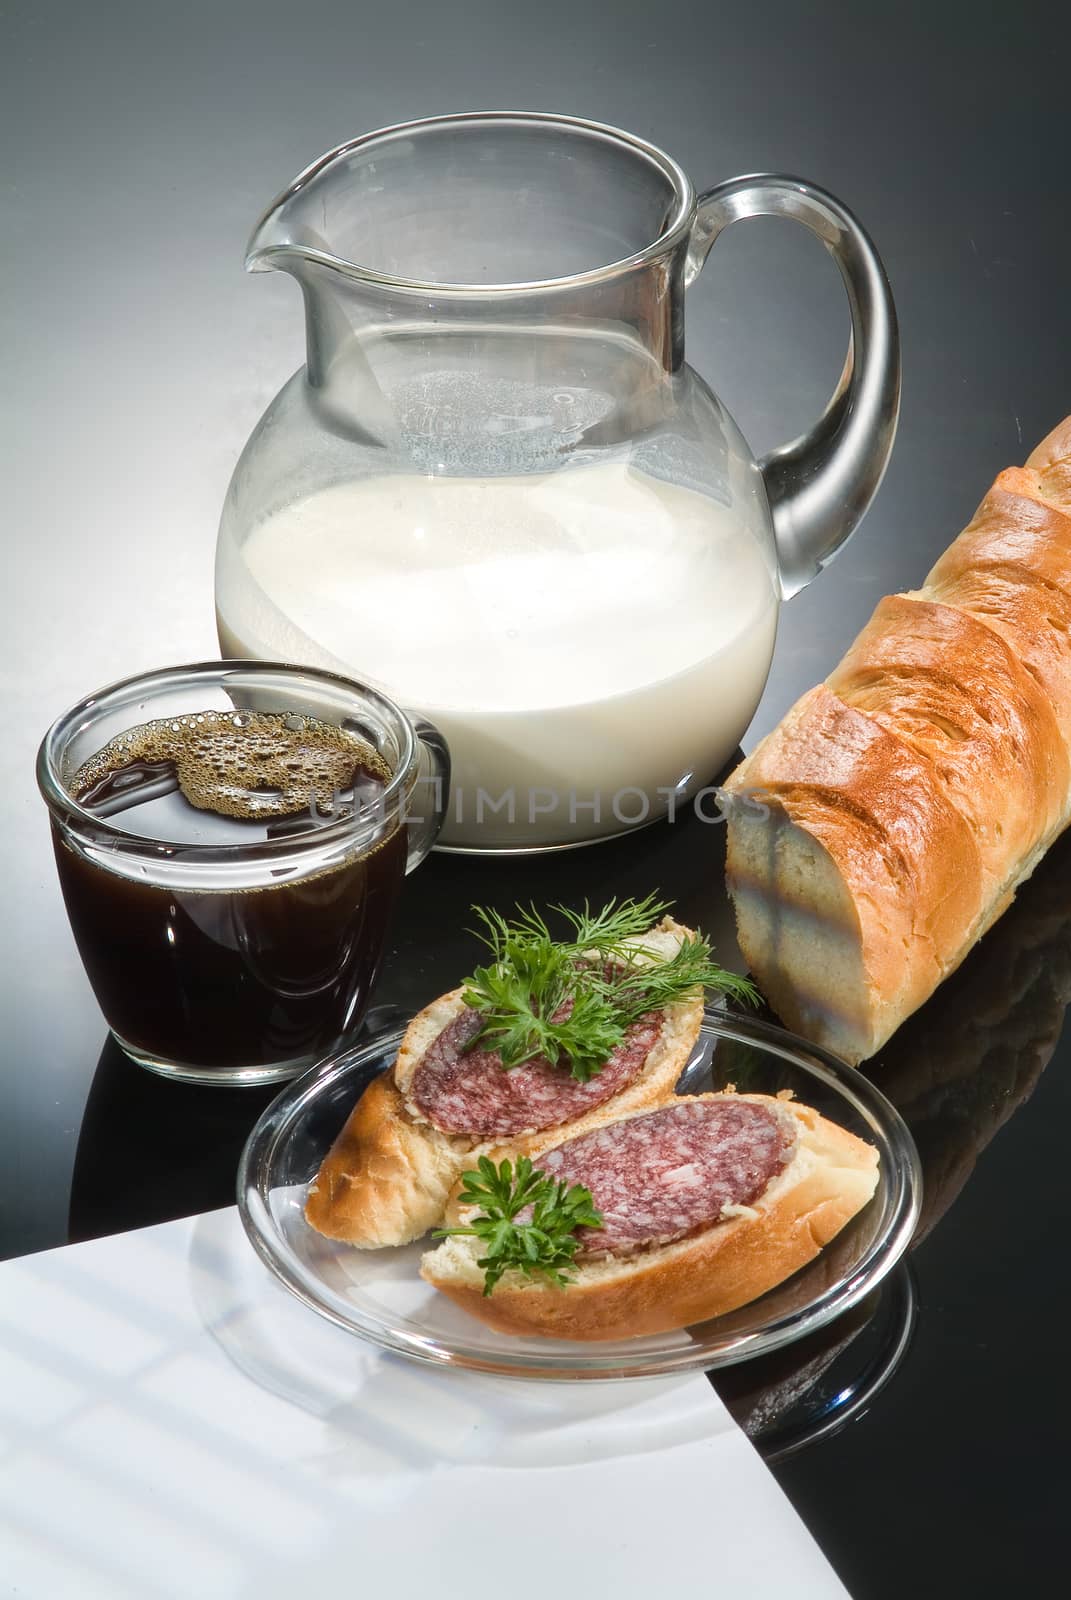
x,y
1052,463
1011,569
385,1179
954,690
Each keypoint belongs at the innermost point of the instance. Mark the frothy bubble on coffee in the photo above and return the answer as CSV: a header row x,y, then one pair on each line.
x,y
246,765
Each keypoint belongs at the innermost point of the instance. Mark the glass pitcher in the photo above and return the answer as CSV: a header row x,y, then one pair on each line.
x,y
497,491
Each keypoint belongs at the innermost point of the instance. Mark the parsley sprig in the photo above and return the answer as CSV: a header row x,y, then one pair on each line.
x,y
575,997
545,1244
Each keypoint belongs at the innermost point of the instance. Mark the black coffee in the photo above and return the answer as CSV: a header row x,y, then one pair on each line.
x,y
249,977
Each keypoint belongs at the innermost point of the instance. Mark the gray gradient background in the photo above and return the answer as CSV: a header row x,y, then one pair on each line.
x,y
141,141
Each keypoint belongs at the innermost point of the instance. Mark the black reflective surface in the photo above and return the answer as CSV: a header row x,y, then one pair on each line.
x,y
142,144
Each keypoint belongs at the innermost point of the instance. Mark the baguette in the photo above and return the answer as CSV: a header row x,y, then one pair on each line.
x,y
830,1175
904,801
388,1175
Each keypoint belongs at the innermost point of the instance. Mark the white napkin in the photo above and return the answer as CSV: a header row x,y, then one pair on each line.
x,y
174,1424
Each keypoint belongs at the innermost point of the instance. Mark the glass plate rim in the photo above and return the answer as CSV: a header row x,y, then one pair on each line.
x,y
901,1193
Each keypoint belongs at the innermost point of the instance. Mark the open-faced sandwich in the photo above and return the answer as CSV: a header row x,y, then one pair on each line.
x,y
552,1035
657,1220
532,1110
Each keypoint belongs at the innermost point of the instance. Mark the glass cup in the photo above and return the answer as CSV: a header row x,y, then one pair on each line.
x,y
237,949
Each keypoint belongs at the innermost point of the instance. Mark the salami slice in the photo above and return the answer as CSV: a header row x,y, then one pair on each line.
x,y
668,1173
470,1092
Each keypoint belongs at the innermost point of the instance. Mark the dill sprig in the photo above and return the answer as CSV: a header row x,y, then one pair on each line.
x,y
574,998
543,1245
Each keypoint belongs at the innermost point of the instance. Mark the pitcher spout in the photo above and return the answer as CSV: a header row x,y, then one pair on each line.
x,y
295,229
312,232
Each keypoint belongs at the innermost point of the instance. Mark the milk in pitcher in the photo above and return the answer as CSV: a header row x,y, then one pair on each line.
x,y
591,641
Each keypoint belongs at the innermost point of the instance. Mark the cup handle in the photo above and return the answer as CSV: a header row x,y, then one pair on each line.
x,y
820,485
433,779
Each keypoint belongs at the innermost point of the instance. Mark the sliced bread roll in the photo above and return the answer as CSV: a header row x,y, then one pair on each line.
x,y
387,1177
902,803
797,1178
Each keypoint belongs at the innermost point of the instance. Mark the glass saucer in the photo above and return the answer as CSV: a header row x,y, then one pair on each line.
x,y
379,1295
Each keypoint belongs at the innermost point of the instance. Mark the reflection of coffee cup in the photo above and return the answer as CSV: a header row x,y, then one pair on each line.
x,y
230,840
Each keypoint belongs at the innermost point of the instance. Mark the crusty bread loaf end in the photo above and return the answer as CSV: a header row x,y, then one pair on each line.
x,y
385,1181
859,858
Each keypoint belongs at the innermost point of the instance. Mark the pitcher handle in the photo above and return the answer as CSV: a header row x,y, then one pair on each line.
x,y
820,486
433,786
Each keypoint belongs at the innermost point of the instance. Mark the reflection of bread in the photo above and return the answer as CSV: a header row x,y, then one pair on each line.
x,y
386,1178
829,1178
957,1071
910,795
960,1068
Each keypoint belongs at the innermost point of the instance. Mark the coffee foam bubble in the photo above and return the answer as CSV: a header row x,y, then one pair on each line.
x,y
245,765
